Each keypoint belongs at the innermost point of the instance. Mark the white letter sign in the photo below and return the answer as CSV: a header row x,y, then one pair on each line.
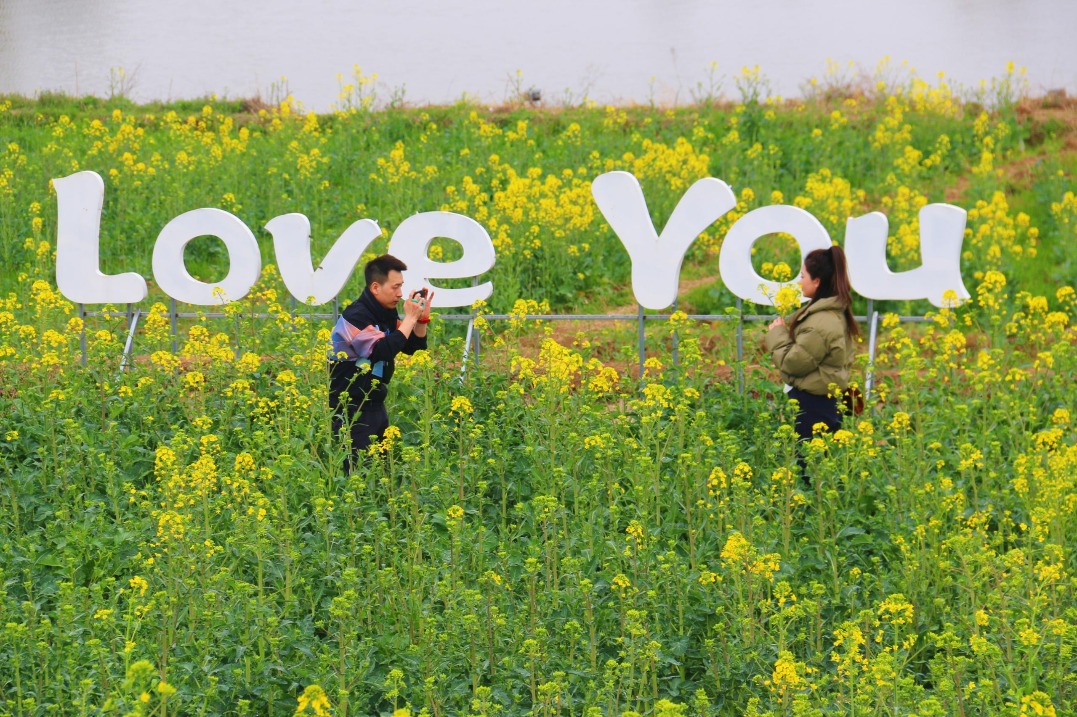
x,y
245,261
735,260
291,242
656,260
942,229
79,199
411,244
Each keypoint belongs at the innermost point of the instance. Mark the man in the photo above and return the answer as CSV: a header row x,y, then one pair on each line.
x,y
366,339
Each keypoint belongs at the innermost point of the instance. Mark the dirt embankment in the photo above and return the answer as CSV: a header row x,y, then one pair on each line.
x,y
1052,125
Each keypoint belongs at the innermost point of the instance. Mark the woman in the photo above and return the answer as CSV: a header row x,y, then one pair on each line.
x,y
815,348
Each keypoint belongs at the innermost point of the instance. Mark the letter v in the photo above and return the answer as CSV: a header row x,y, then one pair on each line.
x,y
656,260
291,242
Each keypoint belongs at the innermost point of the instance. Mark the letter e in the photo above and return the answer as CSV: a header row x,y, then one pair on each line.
x,y
411,244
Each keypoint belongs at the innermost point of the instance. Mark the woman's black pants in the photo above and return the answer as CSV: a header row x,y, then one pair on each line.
x,y
813,409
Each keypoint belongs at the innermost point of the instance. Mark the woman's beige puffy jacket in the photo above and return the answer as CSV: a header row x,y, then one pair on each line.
x,y
821,350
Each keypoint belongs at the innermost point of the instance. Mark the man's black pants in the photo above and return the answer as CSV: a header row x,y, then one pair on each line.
x,y
362,427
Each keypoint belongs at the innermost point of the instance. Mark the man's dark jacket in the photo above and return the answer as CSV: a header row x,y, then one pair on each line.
x,y
346,377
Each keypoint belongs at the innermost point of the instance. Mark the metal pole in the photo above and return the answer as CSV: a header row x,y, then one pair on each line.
x,y
172,321
475,334
126,360
128,317
82,337
467,346
740,345
642,342
676,340
871,357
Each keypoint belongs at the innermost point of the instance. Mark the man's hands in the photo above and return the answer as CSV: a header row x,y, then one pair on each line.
x,y
426,307
416,313
414,306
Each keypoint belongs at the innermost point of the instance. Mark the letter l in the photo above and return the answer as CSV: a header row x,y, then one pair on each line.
x,y
79,200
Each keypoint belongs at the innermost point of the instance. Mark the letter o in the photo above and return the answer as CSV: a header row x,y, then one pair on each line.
x,y
735,260
244,258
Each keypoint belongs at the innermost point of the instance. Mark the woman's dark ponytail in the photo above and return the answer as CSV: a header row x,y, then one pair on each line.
x,y
842,289
831,269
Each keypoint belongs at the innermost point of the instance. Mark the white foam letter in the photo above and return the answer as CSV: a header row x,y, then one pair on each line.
x,y
79,199
735,260
942,229
291,242
244,259
656,260
411,244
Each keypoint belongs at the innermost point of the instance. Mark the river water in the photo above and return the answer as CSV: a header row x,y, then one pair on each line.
x,y
428,51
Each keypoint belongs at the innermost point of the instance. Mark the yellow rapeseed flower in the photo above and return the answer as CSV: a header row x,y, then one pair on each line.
x,y
313,701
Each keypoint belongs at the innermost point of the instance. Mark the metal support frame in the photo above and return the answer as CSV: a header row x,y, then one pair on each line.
x,y
172,328
676,340
82,334
476,339
740,347
472,340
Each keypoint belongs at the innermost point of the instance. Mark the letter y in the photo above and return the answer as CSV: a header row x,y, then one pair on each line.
x,y
656,260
